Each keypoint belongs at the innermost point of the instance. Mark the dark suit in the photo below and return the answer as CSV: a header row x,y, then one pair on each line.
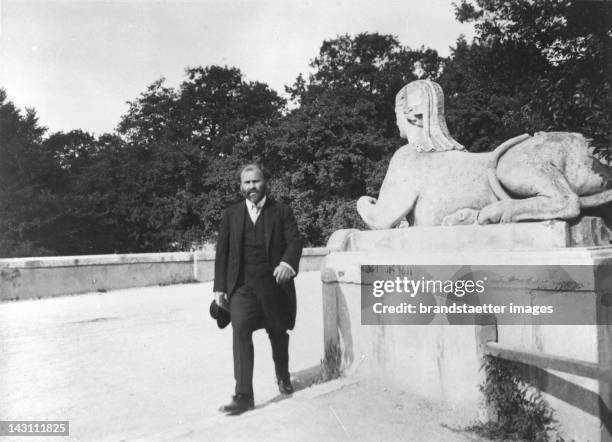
x,y
258,302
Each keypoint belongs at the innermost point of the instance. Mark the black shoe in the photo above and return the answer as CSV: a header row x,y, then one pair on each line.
x,y
239,404
284,386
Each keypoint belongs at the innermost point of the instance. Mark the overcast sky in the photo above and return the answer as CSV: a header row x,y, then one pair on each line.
x,y
77,62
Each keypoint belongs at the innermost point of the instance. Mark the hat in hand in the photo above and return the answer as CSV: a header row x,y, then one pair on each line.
x,y
220,314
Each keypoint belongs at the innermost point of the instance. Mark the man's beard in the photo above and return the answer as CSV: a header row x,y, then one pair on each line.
x,y
254,196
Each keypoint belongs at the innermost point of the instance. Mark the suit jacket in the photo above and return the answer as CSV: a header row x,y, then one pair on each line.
x,y
283,243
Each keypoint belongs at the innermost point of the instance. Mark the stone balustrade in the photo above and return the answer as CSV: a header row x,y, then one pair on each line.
x,y
27,278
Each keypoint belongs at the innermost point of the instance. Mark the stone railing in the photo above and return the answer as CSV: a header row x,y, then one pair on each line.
x,y
26,278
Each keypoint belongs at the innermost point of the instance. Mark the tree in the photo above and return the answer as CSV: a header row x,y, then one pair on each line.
x,y
532,66
370,67
29,180
331,149
71,150
162,183
153,116
175,175
212,109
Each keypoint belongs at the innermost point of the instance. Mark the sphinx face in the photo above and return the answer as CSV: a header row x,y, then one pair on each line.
x,y
410,123
400,120
416,107
411,112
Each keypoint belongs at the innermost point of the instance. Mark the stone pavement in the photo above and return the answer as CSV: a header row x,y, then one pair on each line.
x,y
346,409
150,364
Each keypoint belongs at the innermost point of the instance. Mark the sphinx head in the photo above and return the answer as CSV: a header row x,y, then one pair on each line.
x,y
419,109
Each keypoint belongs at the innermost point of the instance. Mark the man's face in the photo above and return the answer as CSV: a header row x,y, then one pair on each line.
x,y
253,185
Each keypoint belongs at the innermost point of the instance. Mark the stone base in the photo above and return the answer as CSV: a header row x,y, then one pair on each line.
x,y
586,232
442,361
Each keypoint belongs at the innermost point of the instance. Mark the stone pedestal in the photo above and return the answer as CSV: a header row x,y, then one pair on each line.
x,y
442,361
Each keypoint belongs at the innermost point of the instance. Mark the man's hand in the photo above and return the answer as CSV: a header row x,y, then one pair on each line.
x,y
282,274
221,299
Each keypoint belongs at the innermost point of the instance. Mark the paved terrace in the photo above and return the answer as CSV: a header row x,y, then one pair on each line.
x,y
149,364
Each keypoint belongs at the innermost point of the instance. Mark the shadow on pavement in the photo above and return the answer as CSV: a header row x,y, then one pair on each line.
x,y
301,380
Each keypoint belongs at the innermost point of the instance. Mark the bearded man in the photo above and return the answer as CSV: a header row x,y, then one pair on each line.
x,y
257,256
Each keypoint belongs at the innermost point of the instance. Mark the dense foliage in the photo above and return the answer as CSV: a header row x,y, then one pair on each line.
x,y
161,180
533,66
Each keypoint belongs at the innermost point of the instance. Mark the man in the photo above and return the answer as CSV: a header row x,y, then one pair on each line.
x,y
258,255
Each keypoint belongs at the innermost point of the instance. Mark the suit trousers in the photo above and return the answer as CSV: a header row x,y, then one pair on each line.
x,y
251,310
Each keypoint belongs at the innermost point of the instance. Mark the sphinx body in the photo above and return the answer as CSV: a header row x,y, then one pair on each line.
x,y
548,176
425,188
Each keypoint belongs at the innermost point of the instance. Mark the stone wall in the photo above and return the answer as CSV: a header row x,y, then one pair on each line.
x,y
26,278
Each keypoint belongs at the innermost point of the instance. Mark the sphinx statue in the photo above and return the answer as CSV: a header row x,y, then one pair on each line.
x,y
433,180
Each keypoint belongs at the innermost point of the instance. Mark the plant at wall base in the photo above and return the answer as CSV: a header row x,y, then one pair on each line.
x,y
331,362
520,412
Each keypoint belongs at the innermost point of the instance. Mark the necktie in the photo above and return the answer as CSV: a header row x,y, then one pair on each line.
x,y
255,210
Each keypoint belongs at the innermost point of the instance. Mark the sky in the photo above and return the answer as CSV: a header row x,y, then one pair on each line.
x,y
78,62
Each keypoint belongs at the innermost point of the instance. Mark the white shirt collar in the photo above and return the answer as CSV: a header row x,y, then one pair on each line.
x,y
255,209
259,205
